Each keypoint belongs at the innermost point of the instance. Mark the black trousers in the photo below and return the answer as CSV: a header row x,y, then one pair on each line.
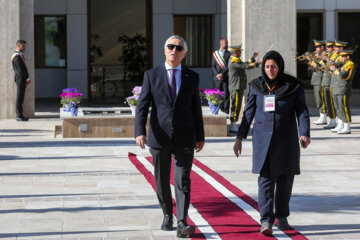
x,y
224,86
20,94
274,189
183,159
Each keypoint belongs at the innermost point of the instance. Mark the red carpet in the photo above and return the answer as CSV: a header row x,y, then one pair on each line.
x,y
219,210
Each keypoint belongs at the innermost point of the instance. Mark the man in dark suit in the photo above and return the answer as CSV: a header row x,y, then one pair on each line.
x,y
220,70
21,77
175,129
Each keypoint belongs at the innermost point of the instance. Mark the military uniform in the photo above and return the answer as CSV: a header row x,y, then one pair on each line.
x,y
316,80
344,78
333,84
238,82
326,90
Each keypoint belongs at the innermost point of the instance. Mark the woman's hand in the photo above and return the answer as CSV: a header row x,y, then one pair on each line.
x,y
237,147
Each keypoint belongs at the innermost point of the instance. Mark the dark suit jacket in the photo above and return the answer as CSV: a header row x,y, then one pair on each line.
x,y
21,72
217,69
276,134
183,119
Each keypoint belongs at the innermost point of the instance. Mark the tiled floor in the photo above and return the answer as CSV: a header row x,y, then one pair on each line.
x,y
53,188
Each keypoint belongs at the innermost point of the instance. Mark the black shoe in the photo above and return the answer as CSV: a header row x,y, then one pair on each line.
x,y
22,119
184,230
282,223
167,224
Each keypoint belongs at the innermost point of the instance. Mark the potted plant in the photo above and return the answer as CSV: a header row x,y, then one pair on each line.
x,y
214,97
71,99
133,100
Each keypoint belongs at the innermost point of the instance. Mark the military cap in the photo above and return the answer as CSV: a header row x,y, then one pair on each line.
x,y
346,52
235,48
340,43
319,43
330,43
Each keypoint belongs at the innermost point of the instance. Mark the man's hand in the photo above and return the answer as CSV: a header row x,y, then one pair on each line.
x,y
238,147
255,54
141,141
220,77
199,146
260,61
305,141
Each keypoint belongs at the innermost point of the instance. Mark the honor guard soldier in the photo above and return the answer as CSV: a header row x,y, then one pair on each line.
x,y
344,78
339,45
327,59
238,82
220,71
316,80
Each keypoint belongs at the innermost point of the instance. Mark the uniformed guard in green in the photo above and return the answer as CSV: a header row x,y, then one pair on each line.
x,y
338,63
316,79
328,59
344,79
238,81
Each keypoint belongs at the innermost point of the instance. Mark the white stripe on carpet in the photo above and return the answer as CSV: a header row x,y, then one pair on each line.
x,y
194,215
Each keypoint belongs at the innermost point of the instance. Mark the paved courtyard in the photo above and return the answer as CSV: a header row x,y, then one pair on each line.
x,y
52,188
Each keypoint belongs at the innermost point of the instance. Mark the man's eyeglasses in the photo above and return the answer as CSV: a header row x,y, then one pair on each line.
x,y
178,48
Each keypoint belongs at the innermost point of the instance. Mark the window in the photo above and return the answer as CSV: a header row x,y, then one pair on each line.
x,y
119,50
348,25
50,41
198,34
309,27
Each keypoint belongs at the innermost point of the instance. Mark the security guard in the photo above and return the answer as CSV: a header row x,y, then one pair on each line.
x,y
345,76
339,46
316,79
238,82
328,59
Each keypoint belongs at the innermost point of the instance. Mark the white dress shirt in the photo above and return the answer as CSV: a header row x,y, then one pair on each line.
x,y
177,75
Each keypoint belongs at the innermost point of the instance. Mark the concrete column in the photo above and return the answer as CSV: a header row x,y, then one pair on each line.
x,y
260,25
16,22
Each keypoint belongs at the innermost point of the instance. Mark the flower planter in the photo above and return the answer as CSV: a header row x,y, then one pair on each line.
x,y
74,109
214,108
133,110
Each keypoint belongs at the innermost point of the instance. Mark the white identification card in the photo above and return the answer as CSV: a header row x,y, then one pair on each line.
x,y
269,103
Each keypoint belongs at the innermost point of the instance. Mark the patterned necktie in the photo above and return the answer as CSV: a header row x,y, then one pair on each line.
x,y
173,84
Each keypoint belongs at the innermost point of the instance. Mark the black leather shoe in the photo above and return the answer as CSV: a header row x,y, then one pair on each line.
x,y
184,230
22,119
167,224
282,224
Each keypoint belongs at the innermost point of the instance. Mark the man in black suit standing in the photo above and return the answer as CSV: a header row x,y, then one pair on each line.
x,y
21,77
175,129
220,70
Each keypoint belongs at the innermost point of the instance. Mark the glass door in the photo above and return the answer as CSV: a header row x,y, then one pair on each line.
x,y
118,48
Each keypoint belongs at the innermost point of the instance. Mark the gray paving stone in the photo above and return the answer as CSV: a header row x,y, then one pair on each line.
x,y
88,189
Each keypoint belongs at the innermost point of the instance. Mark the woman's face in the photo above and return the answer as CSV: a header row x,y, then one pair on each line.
x,y
271,69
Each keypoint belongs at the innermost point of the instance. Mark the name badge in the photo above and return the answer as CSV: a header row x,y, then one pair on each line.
x,y
269,103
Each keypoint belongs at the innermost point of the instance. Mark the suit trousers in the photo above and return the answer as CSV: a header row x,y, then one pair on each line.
x,y
183,159
276,189
20,94
319,98
224,86
329,102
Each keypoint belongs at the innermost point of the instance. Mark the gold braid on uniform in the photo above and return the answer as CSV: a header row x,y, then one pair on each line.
x,y
235,59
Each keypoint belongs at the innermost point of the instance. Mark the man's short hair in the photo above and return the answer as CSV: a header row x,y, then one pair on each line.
x,y
177,37
20,42
223,39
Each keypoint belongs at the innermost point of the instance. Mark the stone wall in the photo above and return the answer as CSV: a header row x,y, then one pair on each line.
x,y
16,22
